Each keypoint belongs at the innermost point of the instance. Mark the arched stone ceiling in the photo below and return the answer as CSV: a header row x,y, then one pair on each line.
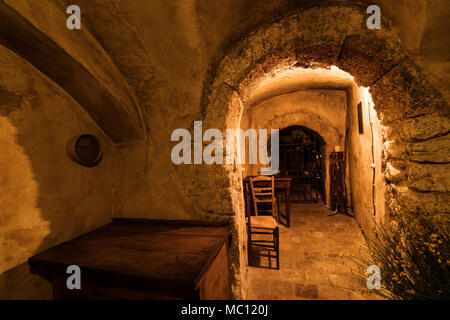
x,y
310,120
75,61
166,42
289,81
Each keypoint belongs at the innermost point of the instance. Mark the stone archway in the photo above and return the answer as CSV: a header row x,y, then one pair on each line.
x,y
310,120
415,115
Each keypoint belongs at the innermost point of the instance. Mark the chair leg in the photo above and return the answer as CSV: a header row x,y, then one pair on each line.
x,y
276,212
249,245
277,246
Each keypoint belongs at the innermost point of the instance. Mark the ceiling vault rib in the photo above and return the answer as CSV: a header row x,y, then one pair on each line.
x,y
114,112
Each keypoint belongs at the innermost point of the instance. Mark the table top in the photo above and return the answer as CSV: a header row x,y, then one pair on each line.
x,y
140,253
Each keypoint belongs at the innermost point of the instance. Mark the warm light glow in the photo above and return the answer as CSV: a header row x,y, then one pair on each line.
x,y
368,97
307,74
289,79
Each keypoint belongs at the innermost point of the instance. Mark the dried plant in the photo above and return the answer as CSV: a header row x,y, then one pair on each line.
x,y
414,258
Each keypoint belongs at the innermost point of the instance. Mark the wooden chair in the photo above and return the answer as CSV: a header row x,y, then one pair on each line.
x,y
265,220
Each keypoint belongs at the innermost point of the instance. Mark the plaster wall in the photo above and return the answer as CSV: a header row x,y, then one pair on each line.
x,y
45,198
328,104
367,206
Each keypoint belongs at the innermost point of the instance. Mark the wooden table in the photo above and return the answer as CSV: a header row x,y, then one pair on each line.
x,y
142,259
281,182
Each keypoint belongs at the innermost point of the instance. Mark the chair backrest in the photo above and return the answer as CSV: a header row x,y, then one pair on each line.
x,y
263,192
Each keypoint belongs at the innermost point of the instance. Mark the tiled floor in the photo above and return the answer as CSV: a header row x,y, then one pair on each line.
x,y
310,263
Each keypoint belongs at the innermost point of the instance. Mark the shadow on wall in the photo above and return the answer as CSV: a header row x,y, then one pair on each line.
x,y
45,198
21,223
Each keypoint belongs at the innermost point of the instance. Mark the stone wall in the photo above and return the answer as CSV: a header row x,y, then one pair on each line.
x,y
416,149
45,198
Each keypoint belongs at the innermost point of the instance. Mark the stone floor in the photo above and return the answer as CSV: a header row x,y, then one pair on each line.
x,y
310,263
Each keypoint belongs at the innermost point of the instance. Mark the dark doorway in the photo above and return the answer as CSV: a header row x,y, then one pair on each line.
x,y
302,158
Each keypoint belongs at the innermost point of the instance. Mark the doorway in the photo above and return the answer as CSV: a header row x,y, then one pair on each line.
x,y
301,158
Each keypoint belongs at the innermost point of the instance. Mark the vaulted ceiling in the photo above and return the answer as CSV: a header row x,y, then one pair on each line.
x,y
168,50
162,43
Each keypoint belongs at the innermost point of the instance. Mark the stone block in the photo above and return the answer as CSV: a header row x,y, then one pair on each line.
x,y
434,150
327,53
429,177
436,203
404,92
425,127
393,149
394,173
369,57
306,291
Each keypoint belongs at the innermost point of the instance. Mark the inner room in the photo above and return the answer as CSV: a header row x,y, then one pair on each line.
x,y
224,150
327,131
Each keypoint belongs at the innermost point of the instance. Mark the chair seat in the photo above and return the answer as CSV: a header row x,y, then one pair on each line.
x,y
263,222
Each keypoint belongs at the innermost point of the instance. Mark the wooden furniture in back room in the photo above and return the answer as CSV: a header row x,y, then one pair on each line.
x,y
142,259
338,194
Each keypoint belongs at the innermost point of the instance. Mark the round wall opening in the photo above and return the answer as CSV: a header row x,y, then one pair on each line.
x,y
85,150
